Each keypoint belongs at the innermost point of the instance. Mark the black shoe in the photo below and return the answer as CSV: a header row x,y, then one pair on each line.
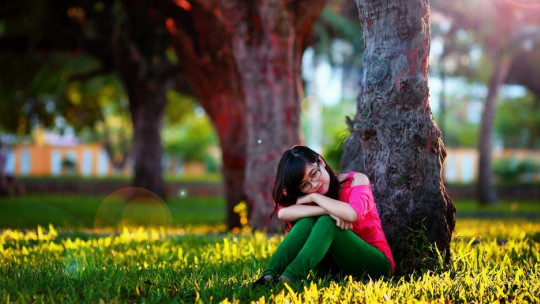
x,y
264,282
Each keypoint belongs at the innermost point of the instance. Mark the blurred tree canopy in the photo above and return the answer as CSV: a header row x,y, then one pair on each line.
x,y
517,122
147,44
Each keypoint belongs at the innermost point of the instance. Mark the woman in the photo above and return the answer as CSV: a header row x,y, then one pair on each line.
x,y
333,221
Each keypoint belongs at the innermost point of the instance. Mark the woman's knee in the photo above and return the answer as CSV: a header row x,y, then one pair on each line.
x,y
326,220
305,223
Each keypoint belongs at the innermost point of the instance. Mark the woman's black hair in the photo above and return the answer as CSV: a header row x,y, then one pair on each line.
x,y
290,173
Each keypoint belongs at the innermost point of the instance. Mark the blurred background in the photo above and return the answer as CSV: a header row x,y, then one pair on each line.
x,y
65,116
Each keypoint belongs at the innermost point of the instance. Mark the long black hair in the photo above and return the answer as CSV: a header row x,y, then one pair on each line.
x,y
290,173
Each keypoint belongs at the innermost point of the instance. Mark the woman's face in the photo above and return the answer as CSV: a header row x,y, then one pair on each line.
x,y
316,178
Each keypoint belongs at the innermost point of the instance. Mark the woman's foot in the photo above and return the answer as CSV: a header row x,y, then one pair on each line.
x,y
266,280
284,279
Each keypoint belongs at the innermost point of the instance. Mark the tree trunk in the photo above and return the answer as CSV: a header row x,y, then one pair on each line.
x,y
209,67
268,46
402,146
147,104
246,74
139,48
487,194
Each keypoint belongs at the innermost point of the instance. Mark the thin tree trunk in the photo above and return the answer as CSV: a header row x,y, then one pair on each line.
x,y
487,194
147,104
402,146
139,48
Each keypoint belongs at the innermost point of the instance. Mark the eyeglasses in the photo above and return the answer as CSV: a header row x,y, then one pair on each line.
x,y
305,187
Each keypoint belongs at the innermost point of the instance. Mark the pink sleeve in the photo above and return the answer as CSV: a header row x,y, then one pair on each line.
x,y
361,200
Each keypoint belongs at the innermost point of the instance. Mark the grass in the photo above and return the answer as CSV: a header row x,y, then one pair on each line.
x,y
82,212
212,177
73,211
493,260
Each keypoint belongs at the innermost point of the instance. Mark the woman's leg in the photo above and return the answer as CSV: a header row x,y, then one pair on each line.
x,y
352,255
289,248
356,257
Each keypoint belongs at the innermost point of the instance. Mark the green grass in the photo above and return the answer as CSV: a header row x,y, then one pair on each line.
x,y
504,207
494,259
168,178
81,212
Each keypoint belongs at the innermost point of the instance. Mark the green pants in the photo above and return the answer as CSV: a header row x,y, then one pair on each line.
x,y
316,243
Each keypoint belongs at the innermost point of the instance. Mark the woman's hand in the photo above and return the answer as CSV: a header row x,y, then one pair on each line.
x,y
341,223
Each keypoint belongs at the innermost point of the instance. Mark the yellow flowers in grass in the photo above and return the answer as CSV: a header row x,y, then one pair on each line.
x,y
493,261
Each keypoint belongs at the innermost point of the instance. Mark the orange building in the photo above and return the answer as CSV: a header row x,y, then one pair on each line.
x,y
54,160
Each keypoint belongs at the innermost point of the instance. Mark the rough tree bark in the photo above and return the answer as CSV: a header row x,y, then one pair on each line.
x,y
402,146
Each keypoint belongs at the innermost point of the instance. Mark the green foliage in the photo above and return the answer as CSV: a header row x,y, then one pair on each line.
x,y
191,139
31,86
458,131
332,26
513,170
414,253
179,107
334,150
517,121
493,261
210,163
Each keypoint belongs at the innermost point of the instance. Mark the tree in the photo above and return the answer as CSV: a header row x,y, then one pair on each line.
x,y
98,108
234,55
126,39
517,121
501,42
246,75
403,152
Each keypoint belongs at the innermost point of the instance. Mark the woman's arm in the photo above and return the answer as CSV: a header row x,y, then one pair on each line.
x,y
334,207
296,212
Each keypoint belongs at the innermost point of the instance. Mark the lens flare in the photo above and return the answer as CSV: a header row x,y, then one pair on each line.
x,y
132,207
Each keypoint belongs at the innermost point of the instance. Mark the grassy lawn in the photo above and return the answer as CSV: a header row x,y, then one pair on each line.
x,y
494,259
81,212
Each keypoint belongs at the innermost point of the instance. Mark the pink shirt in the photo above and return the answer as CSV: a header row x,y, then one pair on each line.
x,y
368,225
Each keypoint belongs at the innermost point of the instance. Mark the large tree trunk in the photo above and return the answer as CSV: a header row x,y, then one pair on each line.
x,y
216,84
487,194
246,74
402,146
267,45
